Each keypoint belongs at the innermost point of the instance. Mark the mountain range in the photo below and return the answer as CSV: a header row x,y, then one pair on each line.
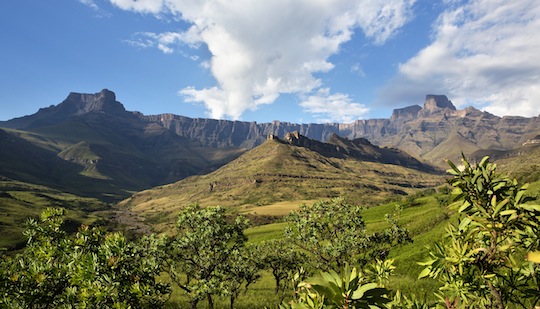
x,y
90,144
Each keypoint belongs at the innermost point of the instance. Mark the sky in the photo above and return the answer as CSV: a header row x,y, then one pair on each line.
x,y
300,61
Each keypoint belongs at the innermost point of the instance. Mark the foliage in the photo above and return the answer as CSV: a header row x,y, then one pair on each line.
x,y
348,289
281,259
89,270
333,232
242,270
481,261
201,254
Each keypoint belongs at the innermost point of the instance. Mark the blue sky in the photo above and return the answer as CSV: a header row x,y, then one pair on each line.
x,y
290,60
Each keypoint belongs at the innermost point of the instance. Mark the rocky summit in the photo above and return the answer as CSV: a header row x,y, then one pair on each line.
x,y
432,132
435,131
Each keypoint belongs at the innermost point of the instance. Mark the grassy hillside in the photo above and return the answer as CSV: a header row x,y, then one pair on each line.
x,y
277,172
20,201
104,156
522,163
451,148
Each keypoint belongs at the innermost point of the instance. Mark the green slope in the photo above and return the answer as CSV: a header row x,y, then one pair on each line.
x,y
277,172
20,201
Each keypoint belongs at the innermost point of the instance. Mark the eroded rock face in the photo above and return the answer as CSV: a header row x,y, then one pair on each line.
x,y
359,148
428,132
434,101
104,101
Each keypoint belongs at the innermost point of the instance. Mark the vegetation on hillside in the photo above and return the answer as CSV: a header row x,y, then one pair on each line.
x,y
340,263
277,172
481,260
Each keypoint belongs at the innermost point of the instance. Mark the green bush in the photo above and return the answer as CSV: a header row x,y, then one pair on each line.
x,y
481,260
88,270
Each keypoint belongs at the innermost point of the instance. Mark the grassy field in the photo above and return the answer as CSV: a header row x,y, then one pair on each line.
x,y
20,201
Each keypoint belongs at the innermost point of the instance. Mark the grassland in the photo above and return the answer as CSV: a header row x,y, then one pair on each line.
x,y
20,201
275,174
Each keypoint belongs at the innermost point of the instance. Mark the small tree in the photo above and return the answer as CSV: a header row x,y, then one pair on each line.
x,y
281,259
242,270
201,253
333,233
91,269
481,261
347,289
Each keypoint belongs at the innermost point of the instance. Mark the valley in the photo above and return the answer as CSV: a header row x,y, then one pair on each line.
x,y
128,172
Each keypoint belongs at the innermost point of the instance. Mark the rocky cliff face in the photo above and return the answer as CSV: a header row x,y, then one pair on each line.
x,y
434,131
76,104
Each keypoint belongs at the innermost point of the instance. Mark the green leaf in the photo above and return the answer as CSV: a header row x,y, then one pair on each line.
x,y
359,293
464,223
466,205
500,205
508,212
530,207
453,166
424,273
534,256
484,161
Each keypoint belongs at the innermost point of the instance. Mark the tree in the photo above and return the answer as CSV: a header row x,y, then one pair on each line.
x,y
333,233
481,261
201,253
242,270
281,259
91,269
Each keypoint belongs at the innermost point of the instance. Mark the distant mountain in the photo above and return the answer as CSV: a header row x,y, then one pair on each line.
x,y
359,149
290,169
433,132
90,145
110,150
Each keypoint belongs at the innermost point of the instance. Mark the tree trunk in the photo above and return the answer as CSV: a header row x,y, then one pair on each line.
x,y
210,301
496,296
232,301
193,303
277,285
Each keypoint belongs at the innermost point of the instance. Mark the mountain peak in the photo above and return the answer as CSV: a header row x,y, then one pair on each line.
x,y
76,104
82,103
434,101
405,113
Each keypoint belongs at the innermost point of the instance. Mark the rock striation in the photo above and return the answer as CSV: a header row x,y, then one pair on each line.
x,y
432,132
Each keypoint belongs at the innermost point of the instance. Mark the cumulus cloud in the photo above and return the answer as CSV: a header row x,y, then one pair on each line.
x,y
261,49
483,53
336,107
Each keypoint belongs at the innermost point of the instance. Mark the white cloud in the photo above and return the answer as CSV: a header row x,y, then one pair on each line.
x,y
261,49
167,42
91,4
143,6
484,52
336,107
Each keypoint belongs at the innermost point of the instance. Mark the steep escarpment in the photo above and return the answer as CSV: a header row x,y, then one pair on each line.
x,y
422,132
433,131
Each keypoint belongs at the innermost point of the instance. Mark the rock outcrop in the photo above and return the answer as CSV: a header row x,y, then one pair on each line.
x,y
432,132
438,101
